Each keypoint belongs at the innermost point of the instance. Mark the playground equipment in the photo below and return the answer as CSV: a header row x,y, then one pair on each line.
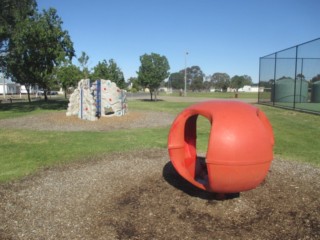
x,y
239,150
101,98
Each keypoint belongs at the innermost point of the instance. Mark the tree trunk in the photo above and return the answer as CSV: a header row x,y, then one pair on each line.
x,y
155,95
45,96
28,92
151,95
65,93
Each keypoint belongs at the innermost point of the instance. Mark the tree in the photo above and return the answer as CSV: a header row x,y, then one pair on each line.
x,y
177,80
100,71
83,60
266,84
135,86
239,81
207,85
153,70
109,70
115,74
12,12
220,81
315,78
38,45
194,77
197,84
301,77
68,76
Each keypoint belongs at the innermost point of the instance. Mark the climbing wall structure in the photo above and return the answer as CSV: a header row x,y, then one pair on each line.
x,y
102,98
113,99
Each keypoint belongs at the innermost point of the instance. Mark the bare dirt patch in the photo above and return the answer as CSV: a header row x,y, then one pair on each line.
x,y
58,121
138,195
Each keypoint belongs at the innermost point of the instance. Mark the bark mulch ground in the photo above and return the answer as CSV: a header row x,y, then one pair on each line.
x,y
139,195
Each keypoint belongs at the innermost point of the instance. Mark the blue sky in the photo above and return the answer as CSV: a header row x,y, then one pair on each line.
x,y
220,35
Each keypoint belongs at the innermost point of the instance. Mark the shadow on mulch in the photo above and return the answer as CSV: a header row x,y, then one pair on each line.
x,y
173,178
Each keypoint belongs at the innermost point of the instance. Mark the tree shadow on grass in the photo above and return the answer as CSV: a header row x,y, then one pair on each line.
x,y
149,100
173,178
56,104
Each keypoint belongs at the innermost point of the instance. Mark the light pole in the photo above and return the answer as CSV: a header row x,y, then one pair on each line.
x,y
4,84
185,74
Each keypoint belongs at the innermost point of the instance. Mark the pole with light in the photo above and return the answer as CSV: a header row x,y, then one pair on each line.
x,y
4,83
185,74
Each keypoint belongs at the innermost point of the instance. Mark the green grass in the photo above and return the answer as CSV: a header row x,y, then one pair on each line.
x,y
216,94
296,134
162,106
19,109
313,107
24,151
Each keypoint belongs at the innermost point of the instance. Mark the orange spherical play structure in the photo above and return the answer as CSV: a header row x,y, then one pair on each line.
x,y
239,150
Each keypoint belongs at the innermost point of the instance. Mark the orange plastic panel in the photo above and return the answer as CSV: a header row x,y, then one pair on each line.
x,y
239,149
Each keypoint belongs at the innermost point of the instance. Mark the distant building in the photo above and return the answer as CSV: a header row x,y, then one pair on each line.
x,y
23,90
9,88
216,90
15,88
229,89
163,89
6,86
248,88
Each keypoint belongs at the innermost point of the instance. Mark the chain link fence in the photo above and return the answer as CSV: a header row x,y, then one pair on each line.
x,y
291,78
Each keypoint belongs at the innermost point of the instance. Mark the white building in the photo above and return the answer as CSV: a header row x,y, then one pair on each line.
x,y
216,90
15,88
248,88
9,88
23,90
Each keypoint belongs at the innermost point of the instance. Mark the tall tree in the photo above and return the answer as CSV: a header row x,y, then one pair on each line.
x,y
194,77
239,81
100,70
12,12
68,76
154,69
197,84
83,60
134,83
176,80
207,85
109,70
36,47
315,78
116,75
220,81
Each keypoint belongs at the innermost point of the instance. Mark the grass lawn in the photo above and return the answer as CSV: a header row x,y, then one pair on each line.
x,y
296,134
25,151
216,94
18,109
315,107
